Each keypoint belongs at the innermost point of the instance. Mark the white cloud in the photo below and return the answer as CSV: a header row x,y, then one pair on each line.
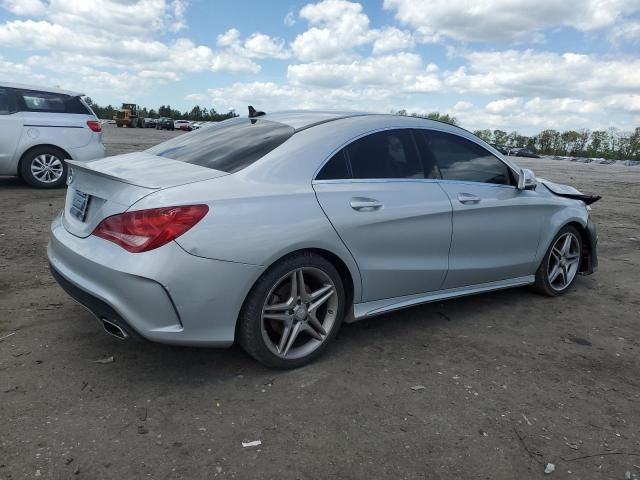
x,y
626,32
24,7
391,39
561,106
399,70
228,62
114,18
503,106
108,40
290,19
505,20
230,38
11,68
337,27
462,106
177,16
624,102
196,97
545,74
259,45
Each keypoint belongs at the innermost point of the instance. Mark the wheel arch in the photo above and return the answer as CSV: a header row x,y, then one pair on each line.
x,y
343,271
41,145
351,288
587,245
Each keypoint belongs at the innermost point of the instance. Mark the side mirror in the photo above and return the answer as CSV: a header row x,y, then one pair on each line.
x,y
526,180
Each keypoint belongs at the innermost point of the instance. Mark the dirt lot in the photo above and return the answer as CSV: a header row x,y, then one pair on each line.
x,y
513,379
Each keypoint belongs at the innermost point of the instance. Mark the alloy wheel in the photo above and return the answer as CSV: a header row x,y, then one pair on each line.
x,y
564,261
47,168
299,313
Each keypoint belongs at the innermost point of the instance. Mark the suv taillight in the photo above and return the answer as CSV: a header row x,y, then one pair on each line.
x,y
94,125
144,230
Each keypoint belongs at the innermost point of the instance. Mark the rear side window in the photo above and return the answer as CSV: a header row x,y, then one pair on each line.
x,y
335,169
228,146
388,154
461,159
32,101
5,107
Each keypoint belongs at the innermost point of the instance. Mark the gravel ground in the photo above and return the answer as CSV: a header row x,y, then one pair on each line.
x,y
512,380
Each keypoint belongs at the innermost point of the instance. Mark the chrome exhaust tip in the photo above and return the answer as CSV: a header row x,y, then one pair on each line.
x,y
113,329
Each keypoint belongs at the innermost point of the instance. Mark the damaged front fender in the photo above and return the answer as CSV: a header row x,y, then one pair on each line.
x,y
567,191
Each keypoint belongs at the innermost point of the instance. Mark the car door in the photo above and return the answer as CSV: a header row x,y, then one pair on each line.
x,y
10,132
396,223
496,227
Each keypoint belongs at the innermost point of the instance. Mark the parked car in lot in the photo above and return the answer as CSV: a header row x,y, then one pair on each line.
x,y
273,230
165,123
188,127
178,124
149,122
501,148
523,152
40,128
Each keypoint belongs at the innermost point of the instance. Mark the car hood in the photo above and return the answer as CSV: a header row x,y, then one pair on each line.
x,y
568,191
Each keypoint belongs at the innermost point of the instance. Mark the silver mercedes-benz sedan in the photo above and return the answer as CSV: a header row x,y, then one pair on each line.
x,y
272,230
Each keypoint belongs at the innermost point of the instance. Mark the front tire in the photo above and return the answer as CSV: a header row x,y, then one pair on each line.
x,y
559,268
293,312
44,167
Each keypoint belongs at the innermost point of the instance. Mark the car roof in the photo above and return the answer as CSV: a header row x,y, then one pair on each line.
x,y
332,130
301,119
39,88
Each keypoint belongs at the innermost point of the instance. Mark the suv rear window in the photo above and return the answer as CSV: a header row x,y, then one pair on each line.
x,y
33,101
228,146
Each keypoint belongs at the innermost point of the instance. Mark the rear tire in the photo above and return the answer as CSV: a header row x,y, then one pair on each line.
x,y
558,270
284,326
44,167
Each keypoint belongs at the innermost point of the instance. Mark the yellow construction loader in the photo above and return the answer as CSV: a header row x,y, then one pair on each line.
x,y
127,115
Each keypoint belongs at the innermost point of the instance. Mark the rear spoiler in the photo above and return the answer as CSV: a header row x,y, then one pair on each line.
x,y
83,166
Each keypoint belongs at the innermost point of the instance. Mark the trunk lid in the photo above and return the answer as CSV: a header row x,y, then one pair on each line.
x,y
105,187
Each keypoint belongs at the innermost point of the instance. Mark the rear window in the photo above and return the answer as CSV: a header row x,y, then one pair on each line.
x,y
228,146
32,101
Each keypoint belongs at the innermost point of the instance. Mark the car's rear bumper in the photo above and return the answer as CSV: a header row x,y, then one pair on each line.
x,y
166,295
92,150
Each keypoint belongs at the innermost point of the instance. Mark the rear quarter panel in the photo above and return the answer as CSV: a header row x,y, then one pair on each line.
x,y
254,223
66,131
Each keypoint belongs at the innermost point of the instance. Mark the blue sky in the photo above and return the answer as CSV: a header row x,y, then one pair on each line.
x,y
513,64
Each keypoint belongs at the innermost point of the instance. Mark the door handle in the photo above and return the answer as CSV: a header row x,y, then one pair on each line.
x,y
468,199
365,204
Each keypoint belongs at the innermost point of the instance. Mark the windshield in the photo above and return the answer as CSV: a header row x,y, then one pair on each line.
x,y
228,146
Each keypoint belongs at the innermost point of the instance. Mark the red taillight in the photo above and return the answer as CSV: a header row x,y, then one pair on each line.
x,y
94,125
144,230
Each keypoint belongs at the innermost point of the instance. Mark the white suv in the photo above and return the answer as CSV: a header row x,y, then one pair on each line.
x,y
40,128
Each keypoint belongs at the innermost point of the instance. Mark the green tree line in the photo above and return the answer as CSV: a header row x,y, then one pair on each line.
x,y
612,143
197,113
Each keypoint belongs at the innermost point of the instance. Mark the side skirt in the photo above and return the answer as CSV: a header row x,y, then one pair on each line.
x,y
378,307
